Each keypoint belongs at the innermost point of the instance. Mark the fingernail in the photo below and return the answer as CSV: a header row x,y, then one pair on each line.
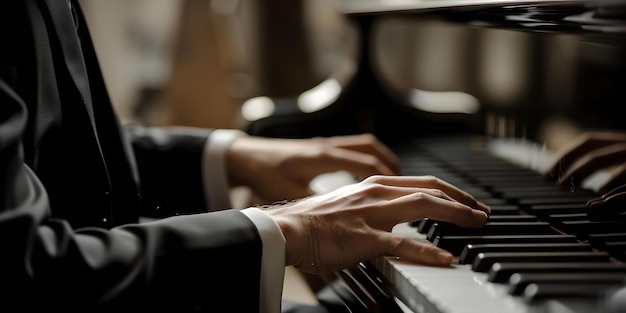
x,y
480,215
485,208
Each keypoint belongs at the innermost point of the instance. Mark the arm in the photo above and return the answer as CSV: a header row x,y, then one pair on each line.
x,y
169,162
174,262
150,143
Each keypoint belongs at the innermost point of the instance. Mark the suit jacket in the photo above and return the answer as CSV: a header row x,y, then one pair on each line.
x,y
74,183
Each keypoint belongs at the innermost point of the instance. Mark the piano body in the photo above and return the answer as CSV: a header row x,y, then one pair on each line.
x,y
478,92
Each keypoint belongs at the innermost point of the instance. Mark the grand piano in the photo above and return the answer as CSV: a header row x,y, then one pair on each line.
x,y
487,90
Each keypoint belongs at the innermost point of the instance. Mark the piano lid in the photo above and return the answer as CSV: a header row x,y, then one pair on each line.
x,y
351,7
604,16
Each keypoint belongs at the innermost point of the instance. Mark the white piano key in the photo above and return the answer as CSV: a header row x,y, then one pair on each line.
x,y
457,289
427,289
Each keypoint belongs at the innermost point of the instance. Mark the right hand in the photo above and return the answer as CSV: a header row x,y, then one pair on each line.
x,y
335,230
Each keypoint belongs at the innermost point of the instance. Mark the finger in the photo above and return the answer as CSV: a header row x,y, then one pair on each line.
x,y
592,162
416,206
369,144
412,250
578,148
433,183
357,163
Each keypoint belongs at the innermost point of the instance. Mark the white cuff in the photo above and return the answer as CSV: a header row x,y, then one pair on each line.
x,y
272,260
214,176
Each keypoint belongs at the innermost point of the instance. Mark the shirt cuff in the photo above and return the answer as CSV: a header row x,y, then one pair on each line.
x,y
214,176
272,260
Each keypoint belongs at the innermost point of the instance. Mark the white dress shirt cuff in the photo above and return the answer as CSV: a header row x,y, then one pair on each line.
x,y
272,261
214,176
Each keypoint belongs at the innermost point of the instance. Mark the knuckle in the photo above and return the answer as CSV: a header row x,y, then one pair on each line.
x,y
373,179
432,179
400,241
323,150
420,196
465,210
374,189
440,194
369,138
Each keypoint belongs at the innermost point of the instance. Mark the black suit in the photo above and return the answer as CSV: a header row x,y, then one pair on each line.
x,y
73,184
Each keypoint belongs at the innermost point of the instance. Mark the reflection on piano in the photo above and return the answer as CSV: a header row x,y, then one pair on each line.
x,y
484,124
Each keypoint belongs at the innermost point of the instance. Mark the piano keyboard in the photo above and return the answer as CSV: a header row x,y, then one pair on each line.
x,y
539,252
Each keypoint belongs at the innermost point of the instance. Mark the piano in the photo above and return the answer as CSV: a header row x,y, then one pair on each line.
x,y
479,93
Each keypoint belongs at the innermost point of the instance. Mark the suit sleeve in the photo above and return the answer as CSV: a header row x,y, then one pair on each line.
x,y
203,262
169,163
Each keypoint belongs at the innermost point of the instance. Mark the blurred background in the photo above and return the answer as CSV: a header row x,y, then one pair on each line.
x,y
194,62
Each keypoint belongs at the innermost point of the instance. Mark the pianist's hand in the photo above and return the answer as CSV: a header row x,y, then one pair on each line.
x,y
278,169
333,231
591,151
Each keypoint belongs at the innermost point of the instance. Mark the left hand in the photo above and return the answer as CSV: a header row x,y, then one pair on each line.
x,y
282,169
592,151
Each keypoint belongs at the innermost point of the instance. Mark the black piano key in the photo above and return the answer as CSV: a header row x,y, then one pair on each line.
x,y
542,193
567,217
560,200
478,193
600,238
503,209
585,227
519,281
617,249
470,251
424,225
613,243
500,171
491,228
607,212
496,180
513,218
543,291
455,244
557,208
502,272
585,216
493,185
415,223
500,213
512,191
538,188
484,261
498,204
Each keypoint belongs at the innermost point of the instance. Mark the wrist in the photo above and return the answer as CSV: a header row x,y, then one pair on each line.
x,y
236,162
291,228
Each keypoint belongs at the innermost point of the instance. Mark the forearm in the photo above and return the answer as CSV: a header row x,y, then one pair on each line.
x,y
169,162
